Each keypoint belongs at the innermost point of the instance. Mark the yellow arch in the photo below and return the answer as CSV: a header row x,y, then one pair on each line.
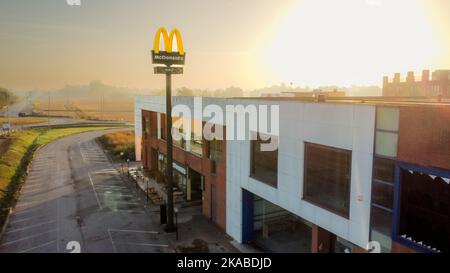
x,y
168,40
160,31
176,33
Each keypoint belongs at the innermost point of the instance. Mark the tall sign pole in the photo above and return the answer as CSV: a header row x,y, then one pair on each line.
x,y
168,59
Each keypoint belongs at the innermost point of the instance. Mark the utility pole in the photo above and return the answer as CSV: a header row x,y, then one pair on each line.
x,y
168,58
48,109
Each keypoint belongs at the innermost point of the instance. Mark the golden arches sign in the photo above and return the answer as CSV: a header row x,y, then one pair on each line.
x,y
167,56
168,40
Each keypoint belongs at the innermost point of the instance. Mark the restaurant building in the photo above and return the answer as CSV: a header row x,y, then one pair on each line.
x,y
346,173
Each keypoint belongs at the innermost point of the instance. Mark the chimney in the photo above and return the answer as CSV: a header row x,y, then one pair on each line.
x,y
425,75
410,77
385,80
397,78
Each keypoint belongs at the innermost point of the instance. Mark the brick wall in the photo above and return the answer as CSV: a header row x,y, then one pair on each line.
x,y
201,165
424,136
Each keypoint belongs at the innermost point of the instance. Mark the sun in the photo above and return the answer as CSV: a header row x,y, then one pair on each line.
x,y
328,42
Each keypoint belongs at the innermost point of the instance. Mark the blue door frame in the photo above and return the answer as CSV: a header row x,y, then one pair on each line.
x,y
247,216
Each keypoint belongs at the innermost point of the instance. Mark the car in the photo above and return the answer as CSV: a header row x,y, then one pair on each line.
x,y
22,114
6,127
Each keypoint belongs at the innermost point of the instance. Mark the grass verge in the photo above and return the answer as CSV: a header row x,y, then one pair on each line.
x,y
15,161
118,142
23,121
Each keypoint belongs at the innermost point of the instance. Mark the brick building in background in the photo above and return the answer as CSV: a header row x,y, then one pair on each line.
x,y
424,86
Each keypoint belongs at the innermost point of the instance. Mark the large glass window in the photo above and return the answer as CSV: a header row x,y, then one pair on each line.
x,y
425,209
386,138
264,164
327,177
382,202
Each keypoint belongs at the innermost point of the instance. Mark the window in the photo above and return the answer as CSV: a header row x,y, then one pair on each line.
x,y
146,125
386,134
178,142
425,208
214,152
264,164
383,194
162,127
383,169
386,144
386,138
162,162
382,201
382,228
327,177
387,119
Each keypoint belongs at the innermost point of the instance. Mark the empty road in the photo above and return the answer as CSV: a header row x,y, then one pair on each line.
x,y
74,200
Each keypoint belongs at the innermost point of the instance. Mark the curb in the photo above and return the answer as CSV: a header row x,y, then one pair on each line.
x,y
2,231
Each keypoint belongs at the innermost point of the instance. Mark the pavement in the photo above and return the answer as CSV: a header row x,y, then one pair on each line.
x,y
192,224
74,200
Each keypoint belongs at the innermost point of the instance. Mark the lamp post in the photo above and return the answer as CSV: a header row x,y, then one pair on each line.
x,y
121,162
128,167
168,58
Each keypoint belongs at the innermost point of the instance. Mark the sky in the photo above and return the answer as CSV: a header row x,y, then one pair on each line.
x,y
247,43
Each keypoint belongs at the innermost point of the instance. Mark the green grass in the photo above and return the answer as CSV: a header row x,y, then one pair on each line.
x,y
14,162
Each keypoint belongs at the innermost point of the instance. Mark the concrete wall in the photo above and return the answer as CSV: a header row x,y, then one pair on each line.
x,y
344,126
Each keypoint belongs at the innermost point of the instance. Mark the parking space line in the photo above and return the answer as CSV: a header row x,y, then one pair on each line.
x,y
112,242
133,231
143,244
36,247
25,211
28,227
95,192
26,238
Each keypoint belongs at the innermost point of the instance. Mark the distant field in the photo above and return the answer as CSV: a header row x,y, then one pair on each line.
x,y
22,121
118,109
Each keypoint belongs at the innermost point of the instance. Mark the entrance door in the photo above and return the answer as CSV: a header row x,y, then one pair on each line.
x,y
213,203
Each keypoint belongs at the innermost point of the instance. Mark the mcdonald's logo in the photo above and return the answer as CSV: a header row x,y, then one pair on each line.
x,y
168,56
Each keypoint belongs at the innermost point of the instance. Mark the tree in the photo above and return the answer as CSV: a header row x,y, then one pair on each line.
x,y
185,92
6,97
233,92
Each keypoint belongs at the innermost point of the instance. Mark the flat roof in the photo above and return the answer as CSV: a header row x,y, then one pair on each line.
x,y
373,100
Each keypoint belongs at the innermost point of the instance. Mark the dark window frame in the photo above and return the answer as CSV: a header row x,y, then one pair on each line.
x,y
255,138
308,199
